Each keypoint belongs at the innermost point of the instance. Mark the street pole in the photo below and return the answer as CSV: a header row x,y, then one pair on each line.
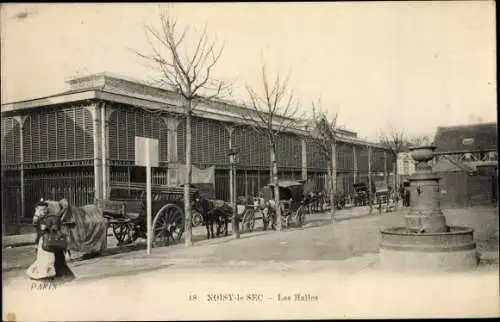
x,y
231,182
370,193
232,193
148,198
235,208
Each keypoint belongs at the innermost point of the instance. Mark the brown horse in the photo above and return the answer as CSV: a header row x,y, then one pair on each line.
x,y
214,212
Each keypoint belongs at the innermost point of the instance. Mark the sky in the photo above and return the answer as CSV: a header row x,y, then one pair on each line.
x,y
411,66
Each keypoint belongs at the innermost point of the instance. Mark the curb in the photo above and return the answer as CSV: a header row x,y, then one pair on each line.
x,y
19,244
374,214
7,245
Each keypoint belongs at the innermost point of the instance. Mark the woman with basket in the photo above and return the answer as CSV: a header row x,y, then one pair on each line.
x,y
50,263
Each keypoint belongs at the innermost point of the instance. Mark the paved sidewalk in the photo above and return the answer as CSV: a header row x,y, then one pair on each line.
x,y
348,245
345,214
18,240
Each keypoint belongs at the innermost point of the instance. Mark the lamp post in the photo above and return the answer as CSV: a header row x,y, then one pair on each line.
x,y
233,159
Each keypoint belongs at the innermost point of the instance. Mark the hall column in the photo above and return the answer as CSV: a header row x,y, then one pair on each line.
x,y
106,112
172,156
386,172
303,145
370,191
96,122
21,120
355,164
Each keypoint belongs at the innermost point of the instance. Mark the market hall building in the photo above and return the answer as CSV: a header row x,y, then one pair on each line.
x,y
79,145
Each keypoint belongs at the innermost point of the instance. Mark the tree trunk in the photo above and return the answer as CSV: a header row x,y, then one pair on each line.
x,y
187,185
333,181
276,188
370,192
331,194
396,183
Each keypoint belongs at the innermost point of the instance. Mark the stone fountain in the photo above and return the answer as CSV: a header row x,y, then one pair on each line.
x,y
426,242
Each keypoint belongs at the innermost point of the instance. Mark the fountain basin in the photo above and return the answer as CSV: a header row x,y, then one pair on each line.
x,y
405,249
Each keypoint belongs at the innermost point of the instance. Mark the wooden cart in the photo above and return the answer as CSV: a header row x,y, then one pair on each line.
x,y
126,214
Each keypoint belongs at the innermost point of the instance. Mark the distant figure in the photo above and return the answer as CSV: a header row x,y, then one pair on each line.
x,y
406,200
401,191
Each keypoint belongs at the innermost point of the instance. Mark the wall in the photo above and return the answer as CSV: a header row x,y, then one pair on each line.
x,y
462,189
453,188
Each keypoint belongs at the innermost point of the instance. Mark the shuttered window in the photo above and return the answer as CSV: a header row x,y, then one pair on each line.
x,y
316,158
253,148
58,135
345,157
210,142
10,141
288,150
126,123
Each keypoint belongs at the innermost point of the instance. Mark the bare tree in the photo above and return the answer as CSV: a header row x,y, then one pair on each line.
x,y
419,140
325,130
271,113
185,67
395,142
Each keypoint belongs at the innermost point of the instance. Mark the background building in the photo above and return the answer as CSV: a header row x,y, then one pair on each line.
x,y
467,161
406,166
79,145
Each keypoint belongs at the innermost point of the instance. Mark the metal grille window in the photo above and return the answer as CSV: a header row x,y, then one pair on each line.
x,y
11,145
260,150
209,142
378,160
362,154
126,123
288,151
58,134
181,141
316,159
253,147
76,186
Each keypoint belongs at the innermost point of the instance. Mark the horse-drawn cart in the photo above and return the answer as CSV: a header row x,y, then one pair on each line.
x,y
292,199
126,214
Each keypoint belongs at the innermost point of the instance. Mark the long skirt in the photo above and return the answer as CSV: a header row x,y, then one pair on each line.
x,y
50,266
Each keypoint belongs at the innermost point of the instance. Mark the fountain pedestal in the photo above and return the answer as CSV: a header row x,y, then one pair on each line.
x,y
426,242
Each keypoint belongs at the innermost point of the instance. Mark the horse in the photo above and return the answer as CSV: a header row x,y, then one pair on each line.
x,y
308,201
214,212
315,200
85,227
269,213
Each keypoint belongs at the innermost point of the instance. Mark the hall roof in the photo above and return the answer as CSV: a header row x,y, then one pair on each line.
x,y
120,89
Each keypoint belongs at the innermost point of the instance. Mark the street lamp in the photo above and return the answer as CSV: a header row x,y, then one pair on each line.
x,y
233,160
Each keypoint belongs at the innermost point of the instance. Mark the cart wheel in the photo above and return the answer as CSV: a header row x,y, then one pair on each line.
x,y
197,219
168,224
252,222
285,220
122,233
249,220
299,215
